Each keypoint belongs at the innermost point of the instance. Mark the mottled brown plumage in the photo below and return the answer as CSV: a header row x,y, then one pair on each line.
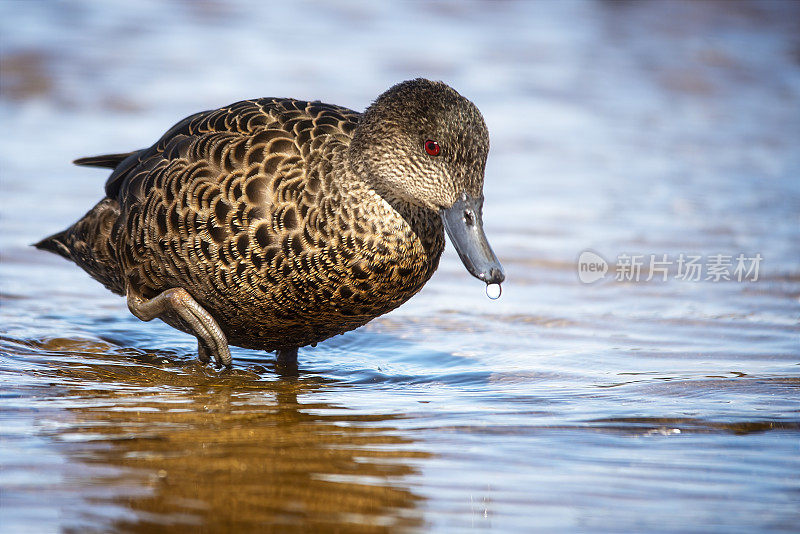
x,y
286,221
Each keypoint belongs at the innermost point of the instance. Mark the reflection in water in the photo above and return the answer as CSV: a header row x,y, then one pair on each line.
x,y
231,452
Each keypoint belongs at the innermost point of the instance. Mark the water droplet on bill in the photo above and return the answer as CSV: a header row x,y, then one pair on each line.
x,y
493,291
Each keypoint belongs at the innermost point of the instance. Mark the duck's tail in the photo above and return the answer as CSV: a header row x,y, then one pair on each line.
x,y
56,243
90,243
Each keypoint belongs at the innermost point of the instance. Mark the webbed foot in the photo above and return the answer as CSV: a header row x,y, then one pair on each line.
x,y
211,340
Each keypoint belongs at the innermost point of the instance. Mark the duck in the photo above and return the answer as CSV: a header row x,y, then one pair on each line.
x,y
277,223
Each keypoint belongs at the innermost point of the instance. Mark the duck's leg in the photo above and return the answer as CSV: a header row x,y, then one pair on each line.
x,y
203,354
286,361
211,341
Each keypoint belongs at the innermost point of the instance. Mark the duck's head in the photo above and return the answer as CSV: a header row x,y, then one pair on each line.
x,y
424,144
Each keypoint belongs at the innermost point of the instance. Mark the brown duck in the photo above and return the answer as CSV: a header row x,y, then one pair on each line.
x,y
277,223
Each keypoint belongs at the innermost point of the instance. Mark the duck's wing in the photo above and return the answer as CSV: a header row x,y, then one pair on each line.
x,y
224,135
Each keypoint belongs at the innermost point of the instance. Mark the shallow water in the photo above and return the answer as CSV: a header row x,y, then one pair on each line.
x,y
620,128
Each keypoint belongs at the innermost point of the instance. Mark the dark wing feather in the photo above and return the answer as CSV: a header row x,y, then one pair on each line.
x,y
110,161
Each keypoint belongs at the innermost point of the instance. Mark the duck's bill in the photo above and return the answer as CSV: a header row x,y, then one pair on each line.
x,y
464,225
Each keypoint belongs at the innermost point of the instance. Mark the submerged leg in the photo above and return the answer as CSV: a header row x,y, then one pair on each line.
x,y
286,361
203,354
211,339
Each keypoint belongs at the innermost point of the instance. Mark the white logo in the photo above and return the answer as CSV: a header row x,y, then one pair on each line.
x,y
591,267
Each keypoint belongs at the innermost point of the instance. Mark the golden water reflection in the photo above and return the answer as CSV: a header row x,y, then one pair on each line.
x,y
230,453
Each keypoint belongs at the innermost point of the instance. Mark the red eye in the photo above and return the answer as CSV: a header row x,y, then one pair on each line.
x,y
432,147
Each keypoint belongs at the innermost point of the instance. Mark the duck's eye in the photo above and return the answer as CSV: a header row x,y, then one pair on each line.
x,y
432,147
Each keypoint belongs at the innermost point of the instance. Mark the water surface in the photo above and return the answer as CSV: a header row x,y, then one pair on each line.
x,y
624,128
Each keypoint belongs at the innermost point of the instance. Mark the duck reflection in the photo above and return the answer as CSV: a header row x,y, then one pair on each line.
x,y
204,452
